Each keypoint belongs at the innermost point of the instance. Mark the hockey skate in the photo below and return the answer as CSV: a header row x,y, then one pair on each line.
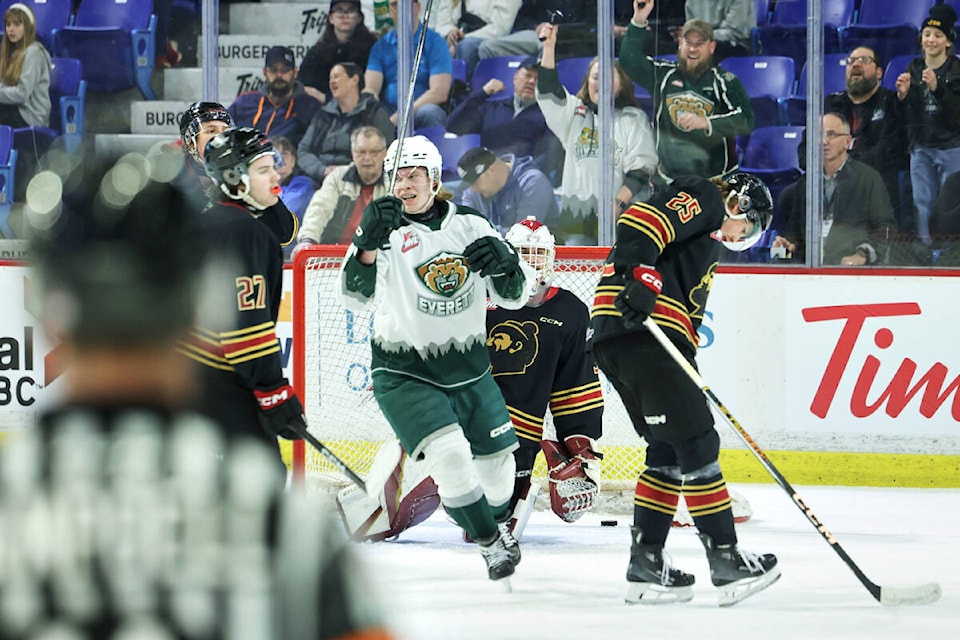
x,y
509,542
497,556
651,579
738,574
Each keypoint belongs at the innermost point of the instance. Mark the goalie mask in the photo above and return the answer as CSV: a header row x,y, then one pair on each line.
x,y
535,244
192,121
416,151
227,160
755,205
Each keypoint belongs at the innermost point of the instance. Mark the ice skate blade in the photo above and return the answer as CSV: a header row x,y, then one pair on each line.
x,y
732,593
907,596
649,593
505,584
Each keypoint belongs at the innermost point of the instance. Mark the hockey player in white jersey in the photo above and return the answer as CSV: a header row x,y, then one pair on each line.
x,y
429,266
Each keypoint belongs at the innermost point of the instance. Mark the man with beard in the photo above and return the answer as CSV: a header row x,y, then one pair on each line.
x,y
879,138
699,109
280,107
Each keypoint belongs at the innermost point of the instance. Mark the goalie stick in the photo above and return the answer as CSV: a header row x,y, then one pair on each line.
x,y
330,456
886,595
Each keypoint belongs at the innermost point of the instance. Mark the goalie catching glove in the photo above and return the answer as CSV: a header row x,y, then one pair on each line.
x,y
378,221
574,475
279,409
639,295
491,257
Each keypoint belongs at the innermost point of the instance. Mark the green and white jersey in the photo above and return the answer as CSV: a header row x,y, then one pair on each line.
x,y
430,317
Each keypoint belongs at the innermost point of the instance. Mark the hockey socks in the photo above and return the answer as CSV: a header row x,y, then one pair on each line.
x,y
476,519
709,505
654,503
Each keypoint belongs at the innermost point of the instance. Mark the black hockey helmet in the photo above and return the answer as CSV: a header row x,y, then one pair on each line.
x,y
227,158
755,204
192,119
114,260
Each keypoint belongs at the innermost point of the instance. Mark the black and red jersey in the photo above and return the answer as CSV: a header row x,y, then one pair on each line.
x,y
539,359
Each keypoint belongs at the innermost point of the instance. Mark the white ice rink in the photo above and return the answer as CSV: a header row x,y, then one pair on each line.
x,y
570,583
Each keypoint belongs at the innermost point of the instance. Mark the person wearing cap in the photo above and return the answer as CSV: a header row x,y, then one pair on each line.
x,y
699,110
929,97
24,71
281,107
345,39
434,74
506,189
511,126
731,20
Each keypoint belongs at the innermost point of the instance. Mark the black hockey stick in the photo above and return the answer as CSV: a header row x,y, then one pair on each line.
x,y
330,456
913,595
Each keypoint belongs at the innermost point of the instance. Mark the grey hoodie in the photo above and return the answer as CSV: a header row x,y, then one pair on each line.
x,y
32,93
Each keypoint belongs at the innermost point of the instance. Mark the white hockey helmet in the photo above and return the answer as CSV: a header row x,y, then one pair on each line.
x,y
535,244
416,151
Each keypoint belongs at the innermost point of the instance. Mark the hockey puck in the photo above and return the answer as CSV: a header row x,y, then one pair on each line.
x,y
608,523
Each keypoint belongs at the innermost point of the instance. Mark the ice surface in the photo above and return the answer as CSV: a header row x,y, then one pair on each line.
x,y
570,583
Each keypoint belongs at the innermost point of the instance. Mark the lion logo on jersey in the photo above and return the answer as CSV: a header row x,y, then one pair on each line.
x,y
444,274
513,347
687,102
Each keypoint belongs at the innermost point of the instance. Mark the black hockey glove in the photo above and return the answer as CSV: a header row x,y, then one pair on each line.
x,y
379,219
639,296
491,257
279,409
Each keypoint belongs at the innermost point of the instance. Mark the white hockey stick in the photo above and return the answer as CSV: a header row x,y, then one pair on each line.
x,y
909,595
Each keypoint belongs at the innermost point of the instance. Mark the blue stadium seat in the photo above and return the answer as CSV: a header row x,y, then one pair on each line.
x,y
768,80
114,40
763,11
786,34
835,12
433,134
452,147
50,15
771,153
834,79
459,70
895,67
889,27
572,72
8,163
501,67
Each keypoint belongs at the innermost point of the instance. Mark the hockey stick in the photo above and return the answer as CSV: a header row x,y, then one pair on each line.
x,y
913,595
412,85
330,456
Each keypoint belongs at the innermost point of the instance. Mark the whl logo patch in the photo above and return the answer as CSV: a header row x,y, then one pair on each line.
x,y
444,274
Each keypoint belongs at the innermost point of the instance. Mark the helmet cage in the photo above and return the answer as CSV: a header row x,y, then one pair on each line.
x,y
536,245
191,122
754,204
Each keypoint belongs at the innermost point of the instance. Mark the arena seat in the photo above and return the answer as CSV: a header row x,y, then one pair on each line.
x,y
8,163
500,67
452,147
50,15
768,81
834,79
889,27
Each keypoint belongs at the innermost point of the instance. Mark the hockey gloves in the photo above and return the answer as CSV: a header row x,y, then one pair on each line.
x,y
379,219
279,410
491,257
639,295
574,472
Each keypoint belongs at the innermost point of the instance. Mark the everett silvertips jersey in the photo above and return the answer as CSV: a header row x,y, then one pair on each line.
x,y
429,321
675,232
538,358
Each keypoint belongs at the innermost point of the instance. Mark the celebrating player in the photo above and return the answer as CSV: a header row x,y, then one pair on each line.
x,y
539,359
662,266
242,373
431,265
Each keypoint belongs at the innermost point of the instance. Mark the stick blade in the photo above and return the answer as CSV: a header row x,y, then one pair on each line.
x,y
910,596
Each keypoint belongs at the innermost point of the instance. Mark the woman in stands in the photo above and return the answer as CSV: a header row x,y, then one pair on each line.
x,y
574,119
345,39
24,71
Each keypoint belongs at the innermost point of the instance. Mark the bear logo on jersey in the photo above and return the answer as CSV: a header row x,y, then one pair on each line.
x,y
687,102
513,346
444,274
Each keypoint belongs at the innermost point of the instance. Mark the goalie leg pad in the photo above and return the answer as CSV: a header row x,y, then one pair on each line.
x,y
497,475
572,492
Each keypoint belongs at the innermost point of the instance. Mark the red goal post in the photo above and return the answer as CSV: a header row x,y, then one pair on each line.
x,y
331,359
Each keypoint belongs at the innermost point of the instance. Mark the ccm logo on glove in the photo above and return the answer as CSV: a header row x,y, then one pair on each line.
x,y
649,277
270,399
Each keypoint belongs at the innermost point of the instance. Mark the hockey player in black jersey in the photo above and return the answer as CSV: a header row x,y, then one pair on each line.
x,y
662,267
539,360
123,513
243,382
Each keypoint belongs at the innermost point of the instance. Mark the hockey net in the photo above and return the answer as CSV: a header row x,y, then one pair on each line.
x,y
331,369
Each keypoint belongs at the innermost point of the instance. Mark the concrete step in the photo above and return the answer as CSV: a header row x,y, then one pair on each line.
x,y
156,117
187,84
112,146
250,50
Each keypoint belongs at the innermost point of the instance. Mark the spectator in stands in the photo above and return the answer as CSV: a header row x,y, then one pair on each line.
x,y
434,75
511,126
335,209
574,120
326,144
345,39
929,95
296,188
945,223
731,20
699,109
281,107
465,28
857,217
878,135
24,71
506,189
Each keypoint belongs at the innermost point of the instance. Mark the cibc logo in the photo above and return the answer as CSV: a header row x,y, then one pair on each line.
x,y
17,383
